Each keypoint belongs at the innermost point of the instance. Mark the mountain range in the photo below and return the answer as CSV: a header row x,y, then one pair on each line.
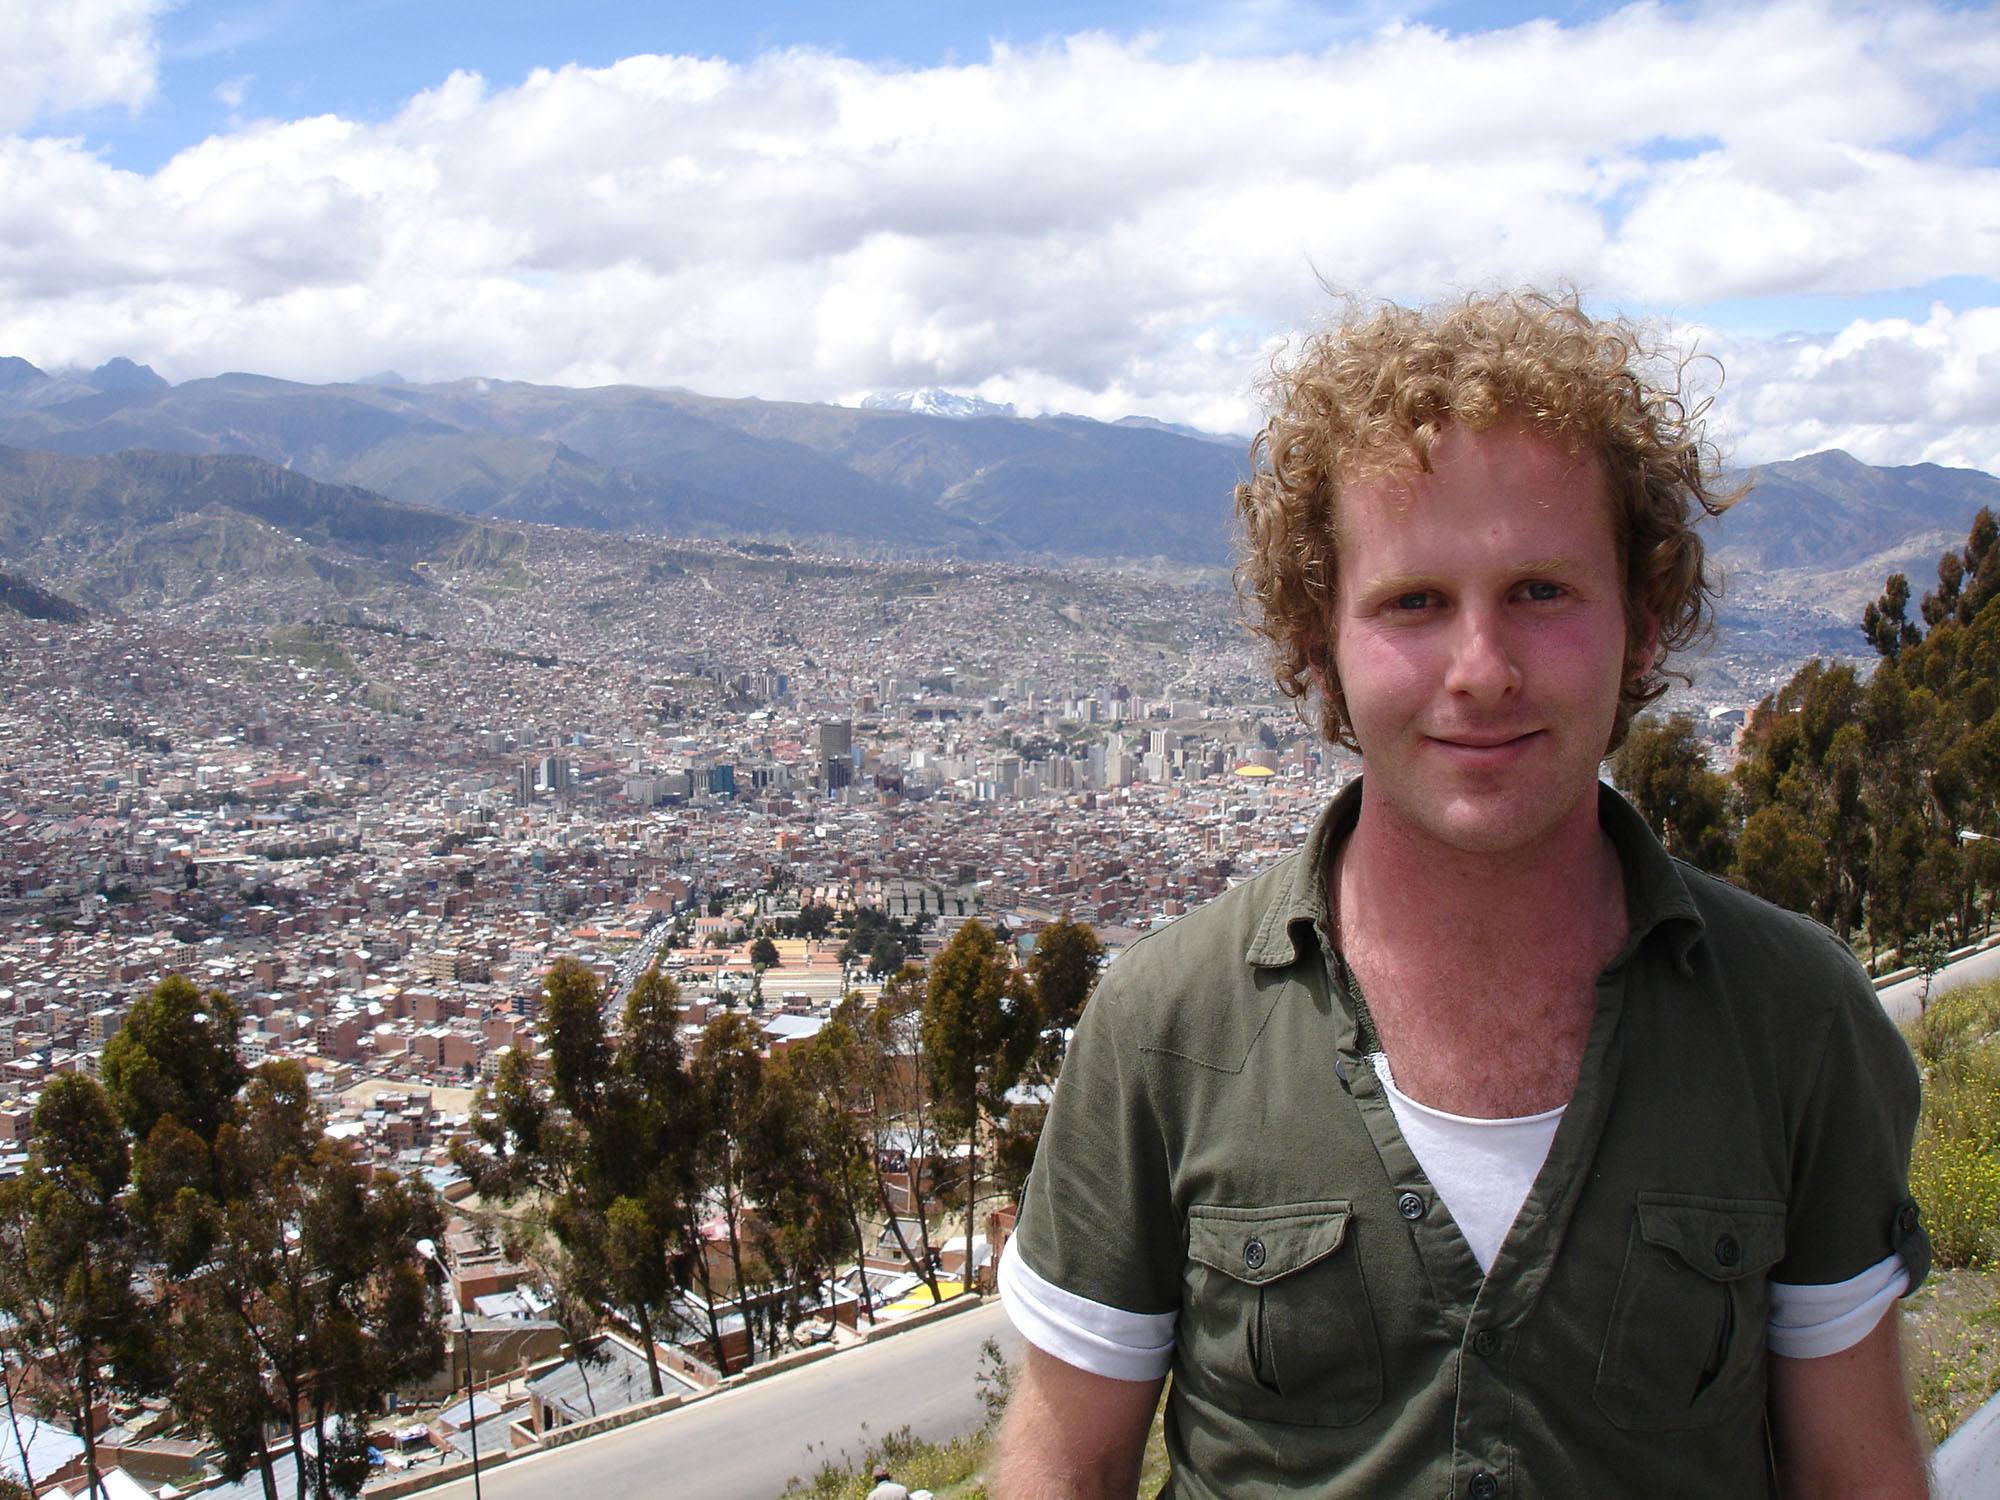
x,y
919,473
116,531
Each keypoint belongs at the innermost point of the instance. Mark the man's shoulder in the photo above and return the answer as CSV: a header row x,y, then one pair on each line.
x,y
1218,933
1783,954
1191,987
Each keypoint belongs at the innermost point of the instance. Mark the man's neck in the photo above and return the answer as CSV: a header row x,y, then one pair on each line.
x,y
1400,890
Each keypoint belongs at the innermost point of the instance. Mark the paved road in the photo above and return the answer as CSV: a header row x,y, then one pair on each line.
x,y
1900,999
748,1442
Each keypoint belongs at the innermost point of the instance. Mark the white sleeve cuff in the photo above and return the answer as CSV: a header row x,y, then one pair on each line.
x,y
1096,1339
1810,1322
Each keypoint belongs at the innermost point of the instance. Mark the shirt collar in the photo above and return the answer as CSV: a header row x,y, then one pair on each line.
x,y
1655,893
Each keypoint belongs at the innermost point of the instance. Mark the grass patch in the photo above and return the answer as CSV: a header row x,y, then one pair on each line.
x,y
956,1470
1951,1326
1951,1347
1955,1168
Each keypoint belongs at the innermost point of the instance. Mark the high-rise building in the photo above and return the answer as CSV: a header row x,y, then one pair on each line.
x,y
836,754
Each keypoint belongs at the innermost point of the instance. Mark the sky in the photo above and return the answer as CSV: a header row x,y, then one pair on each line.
x,y
1107,210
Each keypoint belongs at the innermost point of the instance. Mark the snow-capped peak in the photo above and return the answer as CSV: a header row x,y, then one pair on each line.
x,y
932,401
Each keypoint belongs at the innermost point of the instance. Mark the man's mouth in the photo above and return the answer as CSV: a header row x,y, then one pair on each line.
x,y
1484,740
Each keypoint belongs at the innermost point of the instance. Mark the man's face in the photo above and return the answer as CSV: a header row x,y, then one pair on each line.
x,y
1480,639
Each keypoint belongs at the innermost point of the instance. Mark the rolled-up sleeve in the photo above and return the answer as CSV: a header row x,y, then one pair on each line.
x,y
1092,1273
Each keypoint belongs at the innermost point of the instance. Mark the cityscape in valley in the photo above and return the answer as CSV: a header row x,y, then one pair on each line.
x,y
379,811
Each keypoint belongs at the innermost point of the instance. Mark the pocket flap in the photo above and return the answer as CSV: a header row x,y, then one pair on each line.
x,y
1260,1245
1723,1238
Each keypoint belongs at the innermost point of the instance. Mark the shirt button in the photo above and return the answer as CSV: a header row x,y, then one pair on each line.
x,y
1727,1251
1485,1343
1483,1486
1410,1206
1253,1255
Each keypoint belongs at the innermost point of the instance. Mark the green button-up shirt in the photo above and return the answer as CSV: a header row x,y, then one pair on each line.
x,y
1219,1149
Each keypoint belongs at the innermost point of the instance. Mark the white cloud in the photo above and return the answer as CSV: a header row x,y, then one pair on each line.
x,y
59,55
231,92
1885,390
1096,225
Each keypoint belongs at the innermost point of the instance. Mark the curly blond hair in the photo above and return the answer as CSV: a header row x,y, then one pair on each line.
x,y
1372,395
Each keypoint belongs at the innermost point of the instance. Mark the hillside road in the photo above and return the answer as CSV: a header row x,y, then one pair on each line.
x,y
750,1441
1901,999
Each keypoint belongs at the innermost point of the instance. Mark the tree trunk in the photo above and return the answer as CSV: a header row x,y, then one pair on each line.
x,y
265,1472
298,1437
732,1207
971,1188
323,1490
578,1352
14,1421
896,1226
652,1355
860,1259
707,1296
87,1388
917,1198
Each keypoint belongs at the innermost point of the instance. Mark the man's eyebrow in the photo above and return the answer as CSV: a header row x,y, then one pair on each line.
x,y
1387,585
1559,565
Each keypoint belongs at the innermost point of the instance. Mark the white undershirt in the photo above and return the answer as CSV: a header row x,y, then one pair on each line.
x,y
1482,1171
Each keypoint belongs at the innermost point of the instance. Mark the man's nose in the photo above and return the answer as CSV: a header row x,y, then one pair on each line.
x,y
1482,662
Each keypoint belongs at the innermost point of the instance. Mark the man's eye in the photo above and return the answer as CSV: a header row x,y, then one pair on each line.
x,y
1415,600
1541,590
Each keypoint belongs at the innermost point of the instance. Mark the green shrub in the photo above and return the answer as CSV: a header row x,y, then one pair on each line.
x,y
1951,1347
938,1467
1962,1097
1958,1183
1957,1021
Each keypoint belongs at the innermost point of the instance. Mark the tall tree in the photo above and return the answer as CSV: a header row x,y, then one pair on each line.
x,y
729,1080
68,1256
1886,623
792,1164
1064,968
895,1068
1664,768
830,1067
980,1024
1778,858
308,1299
175,1056
609,1144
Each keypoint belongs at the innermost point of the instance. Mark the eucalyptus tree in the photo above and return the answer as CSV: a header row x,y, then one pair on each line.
x,y
829,1068
728,1075
804,1168
980,1025
610,1143
901,1108
68,1257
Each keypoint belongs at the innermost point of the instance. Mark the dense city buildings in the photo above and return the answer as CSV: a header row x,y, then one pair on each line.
x,y
375,831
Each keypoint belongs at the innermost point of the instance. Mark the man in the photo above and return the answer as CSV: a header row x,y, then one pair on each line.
x,y
1478,1149
886,1487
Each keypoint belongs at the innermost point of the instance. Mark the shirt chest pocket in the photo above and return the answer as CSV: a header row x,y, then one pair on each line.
x,y
1686,1340
1275,1322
